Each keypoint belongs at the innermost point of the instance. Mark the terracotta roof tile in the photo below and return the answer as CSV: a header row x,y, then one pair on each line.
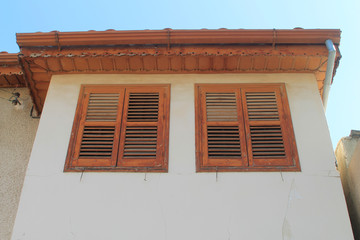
x,y
11,74
170,36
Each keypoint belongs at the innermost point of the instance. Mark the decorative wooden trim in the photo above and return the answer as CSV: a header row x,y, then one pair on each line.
x,y
114,164
286,160
238,58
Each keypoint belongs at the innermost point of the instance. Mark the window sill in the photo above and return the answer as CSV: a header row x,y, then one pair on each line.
x,y
116,169
250,169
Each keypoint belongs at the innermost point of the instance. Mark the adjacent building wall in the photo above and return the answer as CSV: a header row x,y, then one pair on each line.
x,y
182,204
17,133
348,157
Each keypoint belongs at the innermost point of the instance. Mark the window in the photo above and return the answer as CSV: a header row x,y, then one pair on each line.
x,y
120,128
244,127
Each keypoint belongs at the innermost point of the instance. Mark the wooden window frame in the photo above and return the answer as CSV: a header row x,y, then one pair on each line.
x,y
246,162
159,164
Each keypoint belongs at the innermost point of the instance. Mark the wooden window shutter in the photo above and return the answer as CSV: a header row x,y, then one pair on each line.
x,y
270,138
97,130
259,116
120,128
222,128
145,118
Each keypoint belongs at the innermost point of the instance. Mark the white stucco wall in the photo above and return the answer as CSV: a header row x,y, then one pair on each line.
x,y
17,133
182,204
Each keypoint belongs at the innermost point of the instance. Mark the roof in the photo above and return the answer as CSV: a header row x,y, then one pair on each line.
x,y
11,74
170,51
170,36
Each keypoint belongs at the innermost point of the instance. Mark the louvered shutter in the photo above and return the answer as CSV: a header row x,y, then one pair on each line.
x,y
120,128
244,127
99,119
268,125
143,141
222,128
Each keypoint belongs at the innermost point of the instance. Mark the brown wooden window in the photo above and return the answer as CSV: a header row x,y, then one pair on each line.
x,y
120,128
244,127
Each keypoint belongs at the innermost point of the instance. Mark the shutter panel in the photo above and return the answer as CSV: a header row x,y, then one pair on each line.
x,y
222,128
97,141
223,142
102,107
267,121
143,142
98,131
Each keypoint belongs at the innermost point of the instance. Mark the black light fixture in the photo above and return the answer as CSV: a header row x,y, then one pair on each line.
x,y
14,99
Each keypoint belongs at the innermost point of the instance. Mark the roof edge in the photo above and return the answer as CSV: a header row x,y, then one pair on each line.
x,y
170,36
9,58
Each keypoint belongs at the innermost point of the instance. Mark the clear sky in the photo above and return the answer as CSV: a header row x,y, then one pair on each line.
x,y
343,112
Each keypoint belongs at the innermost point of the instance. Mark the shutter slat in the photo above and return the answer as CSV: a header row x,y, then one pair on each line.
x,y
95,146
101,116
228,143
95,154
142,146
216,108
85,139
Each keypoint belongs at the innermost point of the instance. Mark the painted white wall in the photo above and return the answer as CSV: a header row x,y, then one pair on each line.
x,y
17,134
182,204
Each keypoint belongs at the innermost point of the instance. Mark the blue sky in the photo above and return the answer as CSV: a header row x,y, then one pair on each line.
x,y
343,112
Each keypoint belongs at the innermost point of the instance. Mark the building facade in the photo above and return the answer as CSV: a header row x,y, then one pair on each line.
x,y
230,141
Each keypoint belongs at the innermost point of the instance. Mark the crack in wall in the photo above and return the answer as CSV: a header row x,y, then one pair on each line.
x,y
286,226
